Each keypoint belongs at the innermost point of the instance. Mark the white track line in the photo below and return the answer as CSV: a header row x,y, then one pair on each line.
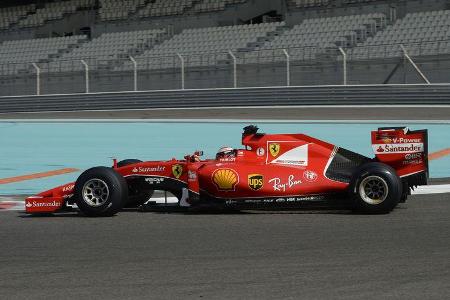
x,y
432,189
15,205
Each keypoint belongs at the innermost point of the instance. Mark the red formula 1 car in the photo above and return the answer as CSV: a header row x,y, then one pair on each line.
x,y
271,171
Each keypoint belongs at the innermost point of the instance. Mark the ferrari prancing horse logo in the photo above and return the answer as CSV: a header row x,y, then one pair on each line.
x,y
274,149
177,170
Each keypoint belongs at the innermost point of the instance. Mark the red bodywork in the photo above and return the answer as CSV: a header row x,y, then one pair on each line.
x,y
270,168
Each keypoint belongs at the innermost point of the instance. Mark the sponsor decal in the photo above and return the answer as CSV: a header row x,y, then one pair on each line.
x,y
260,151
177,170
68,188
395,140
310,176
225,179
297,157
413,159
274,149
292,162
413,162
255,181
405,140
192,175
148,169
227,159
154,180
411,156
398,148
240,153
34,203
279,185
277,200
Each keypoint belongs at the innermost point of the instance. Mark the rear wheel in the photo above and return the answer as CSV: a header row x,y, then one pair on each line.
x,y
375,188
100,192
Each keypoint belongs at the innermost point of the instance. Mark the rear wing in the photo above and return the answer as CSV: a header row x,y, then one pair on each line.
x,y
405,150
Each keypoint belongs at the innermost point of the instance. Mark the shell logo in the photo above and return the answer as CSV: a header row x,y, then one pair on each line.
x,y
225,179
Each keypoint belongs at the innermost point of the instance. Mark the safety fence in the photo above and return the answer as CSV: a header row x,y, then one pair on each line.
x,y
294,66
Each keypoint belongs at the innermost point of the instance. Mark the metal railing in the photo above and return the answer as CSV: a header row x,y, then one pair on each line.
x,y
179,64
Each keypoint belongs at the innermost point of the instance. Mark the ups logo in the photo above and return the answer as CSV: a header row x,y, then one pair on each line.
x,y
255,181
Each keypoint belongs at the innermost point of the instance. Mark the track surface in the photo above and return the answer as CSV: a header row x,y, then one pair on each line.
x,y
305,254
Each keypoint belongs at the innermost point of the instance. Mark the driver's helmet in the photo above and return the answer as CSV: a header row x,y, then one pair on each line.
x,y
225,152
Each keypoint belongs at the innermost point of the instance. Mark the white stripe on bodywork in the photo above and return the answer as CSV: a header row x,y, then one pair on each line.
x,y
332,155
297,156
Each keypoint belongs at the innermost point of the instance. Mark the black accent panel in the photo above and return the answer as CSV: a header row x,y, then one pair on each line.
x,y
416,179
344,164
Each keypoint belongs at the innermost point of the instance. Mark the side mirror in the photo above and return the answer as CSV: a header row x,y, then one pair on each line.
x,y
198,153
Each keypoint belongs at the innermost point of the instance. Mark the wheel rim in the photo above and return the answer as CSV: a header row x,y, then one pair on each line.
x,y
373,190
95,192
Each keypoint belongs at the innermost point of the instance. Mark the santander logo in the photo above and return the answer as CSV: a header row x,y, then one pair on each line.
x,y
42,204
398,148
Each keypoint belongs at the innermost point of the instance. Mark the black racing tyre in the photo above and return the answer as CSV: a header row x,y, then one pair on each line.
x,y
136,194
127,162
375,189
100,192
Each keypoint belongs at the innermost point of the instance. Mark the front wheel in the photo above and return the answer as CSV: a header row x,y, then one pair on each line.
x,y
375,189
100,192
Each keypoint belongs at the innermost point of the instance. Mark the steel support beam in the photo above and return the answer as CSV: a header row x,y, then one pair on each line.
x,y
234,68
134,73
38,78
86,72
405,53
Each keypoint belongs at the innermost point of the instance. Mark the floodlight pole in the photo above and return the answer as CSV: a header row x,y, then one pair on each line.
x,y
234,68
344,64
288,67
38,78
182,69
86,70
405,53
135,72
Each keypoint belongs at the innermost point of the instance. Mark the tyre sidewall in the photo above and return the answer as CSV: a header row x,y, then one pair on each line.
x,y
117,192
389,175
127,162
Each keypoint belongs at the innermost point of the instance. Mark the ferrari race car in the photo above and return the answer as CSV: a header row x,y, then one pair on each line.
x,y
272,171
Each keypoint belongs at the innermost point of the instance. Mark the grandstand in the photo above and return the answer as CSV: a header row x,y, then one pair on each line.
x,y
214,41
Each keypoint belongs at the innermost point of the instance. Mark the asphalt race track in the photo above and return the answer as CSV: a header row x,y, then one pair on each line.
x,y
296,255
